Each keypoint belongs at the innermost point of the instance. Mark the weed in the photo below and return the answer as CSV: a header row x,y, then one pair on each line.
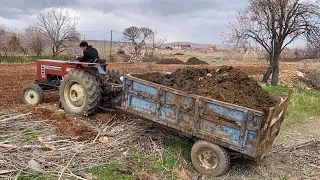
x,y
218,58
110,172
284,178
29,136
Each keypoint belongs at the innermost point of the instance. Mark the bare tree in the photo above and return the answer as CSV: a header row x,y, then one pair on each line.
x,y
60,27
14,44
274,24
4,41
137,36
34,40
313,38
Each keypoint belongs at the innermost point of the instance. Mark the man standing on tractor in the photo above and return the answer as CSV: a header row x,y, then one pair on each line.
x,y
90,54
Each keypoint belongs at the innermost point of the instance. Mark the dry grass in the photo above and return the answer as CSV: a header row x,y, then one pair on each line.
x,y
25,140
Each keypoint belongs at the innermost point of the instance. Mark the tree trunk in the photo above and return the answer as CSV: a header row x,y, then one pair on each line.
x,y
53,52
275,73
267,74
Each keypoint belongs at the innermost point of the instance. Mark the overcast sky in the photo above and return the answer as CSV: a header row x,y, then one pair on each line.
x,y
200,21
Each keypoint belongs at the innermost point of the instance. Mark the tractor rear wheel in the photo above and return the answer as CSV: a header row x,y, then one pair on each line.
x,y
80,92
32,94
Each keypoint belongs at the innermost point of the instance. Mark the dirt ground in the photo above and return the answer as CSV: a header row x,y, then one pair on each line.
x,y
170,61
294,155
195,61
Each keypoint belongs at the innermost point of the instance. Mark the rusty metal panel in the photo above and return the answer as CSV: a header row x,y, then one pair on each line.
x,y
186,122
143,105
167,112
226,112
177,100
143,88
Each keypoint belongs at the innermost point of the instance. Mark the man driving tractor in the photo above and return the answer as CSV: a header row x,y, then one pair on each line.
x,y
90,54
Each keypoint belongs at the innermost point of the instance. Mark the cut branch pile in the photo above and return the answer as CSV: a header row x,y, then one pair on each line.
x,y
46,151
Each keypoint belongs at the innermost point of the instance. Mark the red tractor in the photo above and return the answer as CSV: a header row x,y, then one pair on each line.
x,y
83,87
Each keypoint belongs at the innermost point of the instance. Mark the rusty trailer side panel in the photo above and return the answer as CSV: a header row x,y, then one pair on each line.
x,y
225,124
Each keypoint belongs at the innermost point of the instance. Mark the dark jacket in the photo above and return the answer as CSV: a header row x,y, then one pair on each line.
x,y
89,55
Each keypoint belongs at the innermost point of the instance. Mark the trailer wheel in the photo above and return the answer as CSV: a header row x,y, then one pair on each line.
x,y
210,159
32,94
79,92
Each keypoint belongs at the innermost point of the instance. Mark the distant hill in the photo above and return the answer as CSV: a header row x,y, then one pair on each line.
x,y
196,45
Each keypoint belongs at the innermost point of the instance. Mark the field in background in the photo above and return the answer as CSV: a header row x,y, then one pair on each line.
x,y
104,52
111,53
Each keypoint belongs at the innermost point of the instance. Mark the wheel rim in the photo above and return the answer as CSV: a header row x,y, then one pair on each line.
x,y
207,159
74,94
31,96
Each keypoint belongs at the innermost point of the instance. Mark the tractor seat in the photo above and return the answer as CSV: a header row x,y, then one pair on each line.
x,y
101,61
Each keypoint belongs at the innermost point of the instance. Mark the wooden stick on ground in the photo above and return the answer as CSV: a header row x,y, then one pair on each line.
x,y
64,169
95,139
15,117
6,171
17,147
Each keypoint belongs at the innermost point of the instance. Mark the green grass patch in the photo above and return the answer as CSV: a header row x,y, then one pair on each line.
x,y
21,59
28,59
110,172
303,104
177,150
280,89
29,136
218,58
176,154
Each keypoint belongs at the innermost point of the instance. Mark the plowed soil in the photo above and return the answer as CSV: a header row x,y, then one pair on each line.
x,y
66,124
170,61
195,61
226,84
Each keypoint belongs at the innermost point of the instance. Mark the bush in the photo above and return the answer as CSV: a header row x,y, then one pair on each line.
x,y
121,52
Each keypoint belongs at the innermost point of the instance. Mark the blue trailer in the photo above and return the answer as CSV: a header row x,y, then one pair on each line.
x,y
218,127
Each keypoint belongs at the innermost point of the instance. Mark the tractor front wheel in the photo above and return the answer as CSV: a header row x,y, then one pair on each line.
x,y
79,93
32,94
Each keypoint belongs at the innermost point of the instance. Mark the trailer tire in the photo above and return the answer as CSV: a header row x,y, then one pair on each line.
x,y
32,94
80,92
210,159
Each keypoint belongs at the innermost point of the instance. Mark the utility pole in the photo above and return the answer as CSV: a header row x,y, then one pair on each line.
x,y
104,45
84,37
111,47
153,38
